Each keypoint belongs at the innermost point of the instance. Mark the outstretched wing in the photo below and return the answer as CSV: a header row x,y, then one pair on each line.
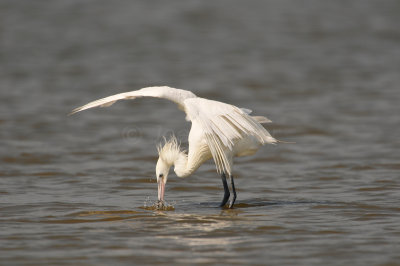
x,y
176,95
223,125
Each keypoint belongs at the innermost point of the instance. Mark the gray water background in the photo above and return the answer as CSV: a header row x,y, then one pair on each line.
x,y
77,190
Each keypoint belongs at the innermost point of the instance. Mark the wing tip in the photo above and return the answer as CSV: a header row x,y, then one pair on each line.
x,y
76,110
285,142
262,119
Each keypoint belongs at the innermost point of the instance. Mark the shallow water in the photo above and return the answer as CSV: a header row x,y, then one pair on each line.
x,y
79,190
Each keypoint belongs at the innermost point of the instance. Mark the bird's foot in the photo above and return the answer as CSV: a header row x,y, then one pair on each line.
x,y
233,192
225,199
226,191
231,204
232,200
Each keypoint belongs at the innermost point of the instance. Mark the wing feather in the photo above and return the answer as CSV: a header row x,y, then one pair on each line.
x,y
223,125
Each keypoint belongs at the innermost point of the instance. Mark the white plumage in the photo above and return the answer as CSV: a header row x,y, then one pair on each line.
x,y
220,131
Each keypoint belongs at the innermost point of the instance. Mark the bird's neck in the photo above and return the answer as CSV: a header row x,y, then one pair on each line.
x,y
182,167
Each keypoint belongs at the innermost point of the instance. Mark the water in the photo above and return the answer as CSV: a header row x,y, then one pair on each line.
x,y
78,190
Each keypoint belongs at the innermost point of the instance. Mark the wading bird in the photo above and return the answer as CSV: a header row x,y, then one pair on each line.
x,y
220,131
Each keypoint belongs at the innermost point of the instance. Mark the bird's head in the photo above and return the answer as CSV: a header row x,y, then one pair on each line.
x,y
169,155
162,170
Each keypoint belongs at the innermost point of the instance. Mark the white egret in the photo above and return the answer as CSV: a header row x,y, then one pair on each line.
x,y
220,131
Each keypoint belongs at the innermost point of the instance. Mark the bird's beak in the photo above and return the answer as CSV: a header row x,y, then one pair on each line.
x,y
161,189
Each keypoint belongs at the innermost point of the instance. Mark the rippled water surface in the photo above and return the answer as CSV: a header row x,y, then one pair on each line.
x,y
78,190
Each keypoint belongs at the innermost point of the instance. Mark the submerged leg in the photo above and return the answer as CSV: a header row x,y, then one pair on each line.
x,y
234,193
226,190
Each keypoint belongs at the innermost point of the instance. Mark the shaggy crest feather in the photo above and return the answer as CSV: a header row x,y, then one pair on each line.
x,y
170,151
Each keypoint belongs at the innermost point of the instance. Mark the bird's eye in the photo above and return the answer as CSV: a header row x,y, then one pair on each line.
x,y
160,175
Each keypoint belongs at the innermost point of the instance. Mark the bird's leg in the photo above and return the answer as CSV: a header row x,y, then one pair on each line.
x,y
226,190
234,193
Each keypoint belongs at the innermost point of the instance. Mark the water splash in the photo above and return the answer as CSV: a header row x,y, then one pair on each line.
x,y
158,205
